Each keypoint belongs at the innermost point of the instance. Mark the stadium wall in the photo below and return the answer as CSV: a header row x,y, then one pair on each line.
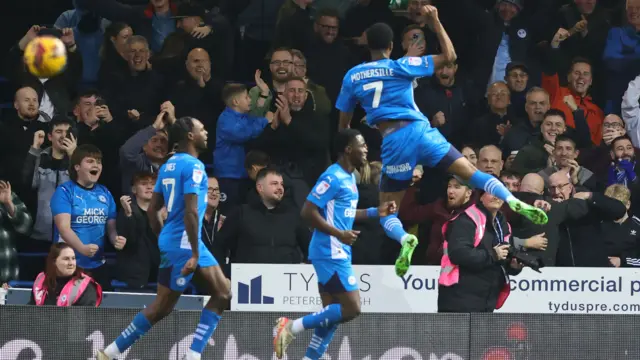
x,y
49,333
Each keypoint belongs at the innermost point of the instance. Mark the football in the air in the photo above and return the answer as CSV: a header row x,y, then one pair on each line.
x,y
45,56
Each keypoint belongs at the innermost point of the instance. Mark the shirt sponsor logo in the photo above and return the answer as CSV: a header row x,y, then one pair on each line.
x,y
395,169
322,187
198,175
415,61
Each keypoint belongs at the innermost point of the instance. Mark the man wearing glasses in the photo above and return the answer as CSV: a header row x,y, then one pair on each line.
x,y
581,242
263,95
212,222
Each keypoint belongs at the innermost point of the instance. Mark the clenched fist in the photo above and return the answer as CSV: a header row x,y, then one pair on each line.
x,y
120,242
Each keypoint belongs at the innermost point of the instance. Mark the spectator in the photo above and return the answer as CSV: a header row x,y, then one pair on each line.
x,y
475,270
539,153
517,79
521,134
414,20
137,92
492,127
96,126
328,59
139,259
148,148
542,241
199,93
599,158
234,129
155,21
269,231
490,160
372,251
63,283
565,156
621,56
88,31
447,103
16,133
45,169
321,102
212,222
14,220
470,154
262,95
295,191
622,234
432,216
114,55
581,241
84,214
510,180
54,93
294,26
300,143
363,14
631,111
579,80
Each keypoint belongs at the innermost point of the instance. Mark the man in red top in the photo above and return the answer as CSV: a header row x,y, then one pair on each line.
x,y
579,81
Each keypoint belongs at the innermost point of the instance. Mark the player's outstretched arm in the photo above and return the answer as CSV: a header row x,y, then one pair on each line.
x,y
191,222
154,212
448,51
345,120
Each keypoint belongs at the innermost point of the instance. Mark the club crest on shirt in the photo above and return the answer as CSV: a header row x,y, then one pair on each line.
x,y
102,199
322,187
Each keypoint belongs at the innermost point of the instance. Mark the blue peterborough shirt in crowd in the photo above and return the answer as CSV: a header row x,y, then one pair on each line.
x,y
90,209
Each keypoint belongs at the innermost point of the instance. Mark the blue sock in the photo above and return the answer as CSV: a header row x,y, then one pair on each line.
x,y
138,327
491,185
320,342
204,330
393,227
326,317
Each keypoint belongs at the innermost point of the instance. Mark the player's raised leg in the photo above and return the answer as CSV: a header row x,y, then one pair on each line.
x,y
341,300
476,178
212,279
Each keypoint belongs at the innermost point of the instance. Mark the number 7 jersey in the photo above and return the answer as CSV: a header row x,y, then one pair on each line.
x,y
181,174
384,88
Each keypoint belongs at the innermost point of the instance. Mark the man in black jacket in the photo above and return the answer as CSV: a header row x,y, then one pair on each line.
x,y
483,268
581,241
301,142
268,231
139,260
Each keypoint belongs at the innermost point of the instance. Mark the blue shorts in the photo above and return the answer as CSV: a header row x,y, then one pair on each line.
x,y
417,143
335,276
172,262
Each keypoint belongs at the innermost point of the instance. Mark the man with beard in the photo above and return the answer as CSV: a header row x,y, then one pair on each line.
x,y
581,241
623,169
432,216
16,133
565,157
267,230
138,261
579,80
300,143
262,95
153,142
85,214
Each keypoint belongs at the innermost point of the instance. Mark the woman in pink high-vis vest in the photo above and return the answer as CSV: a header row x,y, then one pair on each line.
x,y
63,283
474,275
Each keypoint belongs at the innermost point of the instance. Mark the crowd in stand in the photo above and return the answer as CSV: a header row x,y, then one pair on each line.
x,y
544,95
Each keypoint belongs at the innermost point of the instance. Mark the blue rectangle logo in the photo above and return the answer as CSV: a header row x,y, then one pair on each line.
x,y
252,293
